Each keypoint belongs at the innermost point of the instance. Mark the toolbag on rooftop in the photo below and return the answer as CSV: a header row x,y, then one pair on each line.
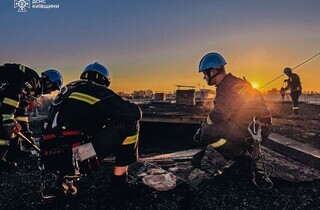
x,y
68,152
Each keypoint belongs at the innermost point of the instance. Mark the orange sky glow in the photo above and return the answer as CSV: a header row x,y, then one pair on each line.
x,y
158,44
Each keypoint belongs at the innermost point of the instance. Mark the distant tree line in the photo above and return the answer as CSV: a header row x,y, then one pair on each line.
x,y
138,94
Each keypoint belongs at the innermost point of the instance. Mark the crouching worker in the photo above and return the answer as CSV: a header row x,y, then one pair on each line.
x,y
87,122
18,85
236,105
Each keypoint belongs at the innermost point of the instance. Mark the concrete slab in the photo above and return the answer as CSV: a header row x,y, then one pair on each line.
x,y
180,156
288,169
285,167
296,150
174,119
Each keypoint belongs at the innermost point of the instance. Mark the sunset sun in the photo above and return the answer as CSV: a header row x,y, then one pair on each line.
x,y
255,85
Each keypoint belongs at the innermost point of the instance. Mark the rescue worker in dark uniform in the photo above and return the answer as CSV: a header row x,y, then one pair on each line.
x,y
235,105
18,85
89,107
294,85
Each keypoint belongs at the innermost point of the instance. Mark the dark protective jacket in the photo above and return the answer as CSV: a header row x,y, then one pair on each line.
x,y
237,101
86,106
293,83
18,84
235,105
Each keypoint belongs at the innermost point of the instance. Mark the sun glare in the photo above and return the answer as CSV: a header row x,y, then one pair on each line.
x,y
255,85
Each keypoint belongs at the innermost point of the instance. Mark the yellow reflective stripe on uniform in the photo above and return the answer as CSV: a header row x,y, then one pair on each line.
x,y
7,117
84,97
131,139
22,119
218,143
11,102
209,121
22,68
4,142
243,90
295,108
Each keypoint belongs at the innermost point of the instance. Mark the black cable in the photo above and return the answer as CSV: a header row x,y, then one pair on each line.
x,y
306,61
271,81
292,69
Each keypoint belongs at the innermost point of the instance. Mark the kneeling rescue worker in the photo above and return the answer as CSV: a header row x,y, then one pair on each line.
x,y
18,85
87,111
236,105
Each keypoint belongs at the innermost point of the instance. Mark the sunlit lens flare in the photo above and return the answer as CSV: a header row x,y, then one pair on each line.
x,y
255,85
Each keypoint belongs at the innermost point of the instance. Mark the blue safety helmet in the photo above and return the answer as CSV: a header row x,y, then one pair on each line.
x,y
54,77
97,73
287,70
211,61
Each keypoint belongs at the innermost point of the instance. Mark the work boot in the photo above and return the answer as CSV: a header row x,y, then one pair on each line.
x,y
120,189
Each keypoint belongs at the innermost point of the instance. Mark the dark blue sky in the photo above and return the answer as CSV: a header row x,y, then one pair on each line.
x,y
157,44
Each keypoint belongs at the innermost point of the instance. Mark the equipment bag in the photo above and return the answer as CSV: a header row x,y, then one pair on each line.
x,y
85,158
56,152
68,153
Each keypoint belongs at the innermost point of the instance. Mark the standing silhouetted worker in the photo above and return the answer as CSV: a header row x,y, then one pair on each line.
x,y
294,85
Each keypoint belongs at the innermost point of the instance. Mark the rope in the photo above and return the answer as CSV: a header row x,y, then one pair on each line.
x,y
257,154
292,69
268,183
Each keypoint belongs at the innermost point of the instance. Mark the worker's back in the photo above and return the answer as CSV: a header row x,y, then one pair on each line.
x,y
86,106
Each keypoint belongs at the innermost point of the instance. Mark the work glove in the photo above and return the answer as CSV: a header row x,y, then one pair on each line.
x,y
283,91
12,127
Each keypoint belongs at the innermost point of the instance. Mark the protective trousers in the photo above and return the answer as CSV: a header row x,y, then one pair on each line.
x,y
231,132
120,138
295,97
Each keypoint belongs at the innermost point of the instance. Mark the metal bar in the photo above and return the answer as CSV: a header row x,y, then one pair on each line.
x,y
29,141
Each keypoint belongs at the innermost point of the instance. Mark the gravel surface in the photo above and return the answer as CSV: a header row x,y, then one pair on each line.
x,y
233,190
304,128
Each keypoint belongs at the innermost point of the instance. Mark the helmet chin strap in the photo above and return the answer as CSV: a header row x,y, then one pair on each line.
x,y
215,75
108,82
46,89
